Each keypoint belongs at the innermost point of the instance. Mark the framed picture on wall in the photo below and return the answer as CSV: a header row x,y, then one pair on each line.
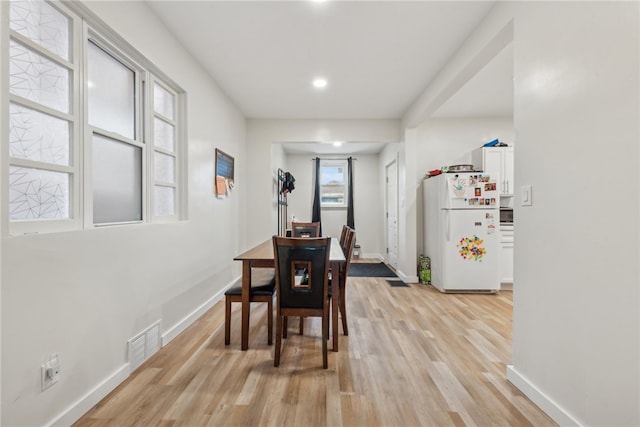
x,y
224,173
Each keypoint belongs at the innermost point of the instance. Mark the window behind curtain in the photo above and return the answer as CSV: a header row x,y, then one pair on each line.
x,y
333,183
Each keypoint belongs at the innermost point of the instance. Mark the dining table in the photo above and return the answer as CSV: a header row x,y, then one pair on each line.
x,y
261,256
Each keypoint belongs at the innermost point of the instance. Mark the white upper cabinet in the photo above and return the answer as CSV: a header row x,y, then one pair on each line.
x,y
497,160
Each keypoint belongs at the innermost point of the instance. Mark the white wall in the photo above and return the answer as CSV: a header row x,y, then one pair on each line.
x,y
445,142
576,317
576,329
368,199
83,294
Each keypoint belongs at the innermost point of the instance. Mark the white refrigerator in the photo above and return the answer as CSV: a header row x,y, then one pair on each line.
x,y
461,231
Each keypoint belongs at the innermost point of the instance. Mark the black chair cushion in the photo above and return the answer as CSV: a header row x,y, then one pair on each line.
x,y
262,290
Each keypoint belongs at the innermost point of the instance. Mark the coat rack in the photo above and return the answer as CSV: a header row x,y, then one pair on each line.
x,y
282,204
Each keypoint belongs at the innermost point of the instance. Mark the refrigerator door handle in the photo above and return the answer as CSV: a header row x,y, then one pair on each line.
x,y
448,224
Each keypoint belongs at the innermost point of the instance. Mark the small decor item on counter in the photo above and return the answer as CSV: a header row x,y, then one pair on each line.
x,y
424,269
460,168
491,143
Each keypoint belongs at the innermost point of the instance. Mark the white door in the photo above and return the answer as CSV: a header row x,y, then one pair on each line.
x,y
392,214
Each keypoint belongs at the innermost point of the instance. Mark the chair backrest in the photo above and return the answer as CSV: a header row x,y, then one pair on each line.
x,y
302,270
343,235
305,229
347,248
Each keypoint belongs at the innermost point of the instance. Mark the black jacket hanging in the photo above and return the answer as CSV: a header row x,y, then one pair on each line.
x,y
288,183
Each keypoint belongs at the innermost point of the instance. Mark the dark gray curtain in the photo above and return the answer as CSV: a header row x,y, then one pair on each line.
x,y
315,213
350,220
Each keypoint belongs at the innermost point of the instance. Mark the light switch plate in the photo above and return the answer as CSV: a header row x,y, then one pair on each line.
x,y
525,195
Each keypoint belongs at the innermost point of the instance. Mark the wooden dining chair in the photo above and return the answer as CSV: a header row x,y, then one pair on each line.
x,y
262,290
343,235
305,229
347,248
302,281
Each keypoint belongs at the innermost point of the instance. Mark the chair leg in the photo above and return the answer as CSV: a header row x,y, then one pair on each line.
x,y
227,321
334,320
279,325
343,311
301,325
325,338
285,326
270,321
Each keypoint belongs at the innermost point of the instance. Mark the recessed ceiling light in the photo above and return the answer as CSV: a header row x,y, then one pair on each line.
x,y
337,143
319,83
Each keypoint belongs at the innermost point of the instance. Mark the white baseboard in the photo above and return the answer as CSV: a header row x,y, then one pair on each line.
x,y
188,320
371,256
407,279
82,405
551,408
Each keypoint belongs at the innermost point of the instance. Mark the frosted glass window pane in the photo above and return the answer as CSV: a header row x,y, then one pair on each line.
x,y
117,181
38,194
111,93
37,136
164,135
164,199
164,168
163,101
36,78
42,23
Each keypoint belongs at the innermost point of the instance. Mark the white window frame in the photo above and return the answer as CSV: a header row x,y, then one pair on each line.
x,y
86,26
32,226
178,153
345,176
91,36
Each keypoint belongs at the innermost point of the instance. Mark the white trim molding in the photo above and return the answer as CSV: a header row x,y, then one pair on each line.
x,y
551,408
190,318
89,400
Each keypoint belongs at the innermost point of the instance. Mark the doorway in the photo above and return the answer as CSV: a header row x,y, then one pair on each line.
x,y
391,214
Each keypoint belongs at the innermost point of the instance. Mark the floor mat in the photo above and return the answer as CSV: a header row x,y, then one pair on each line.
x,y
397,284
370,269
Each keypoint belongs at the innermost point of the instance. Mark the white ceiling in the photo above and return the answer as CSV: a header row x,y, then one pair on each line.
x,y
378,56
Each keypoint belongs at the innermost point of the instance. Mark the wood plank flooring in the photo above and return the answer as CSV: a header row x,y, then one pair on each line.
x,y
413,357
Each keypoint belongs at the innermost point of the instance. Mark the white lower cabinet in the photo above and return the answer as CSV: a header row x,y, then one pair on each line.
x,y
506,253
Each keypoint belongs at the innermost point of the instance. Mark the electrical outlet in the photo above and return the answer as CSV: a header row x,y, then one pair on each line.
x,y
50,372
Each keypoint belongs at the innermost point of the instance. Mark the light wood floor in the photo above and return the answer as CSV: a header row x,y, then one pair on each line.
x,y
413,357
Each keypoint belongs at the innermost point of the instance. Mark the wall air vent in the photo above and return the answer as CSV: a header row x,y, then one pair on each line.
x,y
143,346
